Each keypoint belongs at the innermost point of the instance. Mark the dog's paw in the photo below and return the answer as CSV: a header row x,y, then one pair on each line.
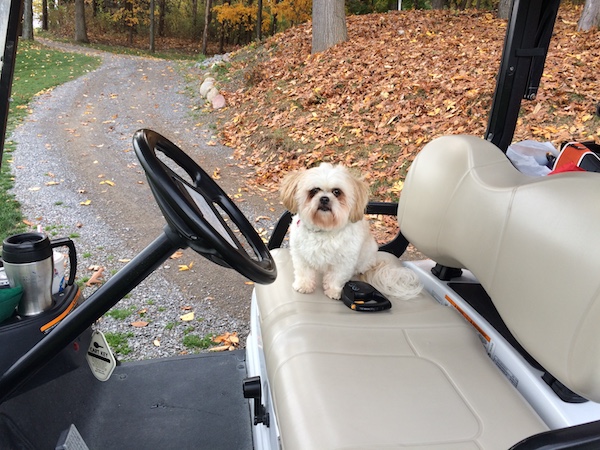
x,y
333,292
304,286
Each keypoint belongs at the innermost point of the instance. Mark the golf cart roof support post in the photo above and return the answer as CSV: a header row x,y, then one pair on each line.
x,y
90,310
525,48
9,32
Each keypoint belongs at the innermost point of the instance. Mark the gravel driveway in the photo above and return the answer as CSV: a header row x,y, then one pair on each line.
x,y
77,138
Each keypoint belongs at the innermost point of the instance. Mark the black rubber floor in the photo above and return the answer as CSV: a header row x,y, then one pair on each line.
x,y
191,402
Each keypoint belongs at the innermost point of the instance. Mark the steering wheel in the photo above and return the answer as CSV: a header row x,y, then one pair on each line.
x,y
200,211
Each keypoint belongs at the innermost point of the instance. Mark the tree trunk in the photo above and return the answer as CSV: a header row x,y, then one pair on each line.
x,y
259,21
437,4
206,23
27,31
504,8
328,24
222,30
152,32
590,16
161,17
45,15
274,22
195,33
80,27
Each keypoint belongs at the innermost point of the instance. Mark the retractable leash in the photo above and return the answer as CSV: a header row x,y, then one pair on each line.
x,y
362,297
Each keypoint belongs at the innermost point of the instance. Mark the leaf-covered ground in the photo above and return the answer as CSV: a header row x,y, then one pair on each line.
x,y
402,79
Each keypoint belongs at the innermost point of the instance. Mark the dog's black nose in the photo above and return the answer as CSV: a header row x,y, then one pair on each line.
x,y
324,200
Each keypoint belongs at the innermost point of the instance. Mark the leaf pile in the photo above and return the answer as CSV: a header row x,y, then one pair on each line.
x,y
228,342
401,79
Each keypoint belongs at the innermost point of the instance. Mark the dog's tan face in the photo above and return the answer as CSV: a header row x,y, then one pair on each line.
x,y
328,197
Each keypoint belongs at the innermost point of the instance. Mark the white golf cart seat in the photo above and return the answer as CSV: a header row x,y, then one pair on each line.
x,y
417,376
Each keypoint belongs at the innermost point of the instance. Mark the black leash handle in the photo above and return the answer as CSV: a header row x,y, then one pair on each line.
x,y
362,297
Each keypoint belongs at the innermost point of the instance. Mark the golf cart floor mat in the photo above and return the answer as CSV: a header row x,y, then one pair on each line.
x,y
173,403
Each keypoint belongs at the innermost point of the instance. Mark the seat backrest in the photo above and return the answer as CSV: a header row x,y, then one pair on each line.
x,y
533,243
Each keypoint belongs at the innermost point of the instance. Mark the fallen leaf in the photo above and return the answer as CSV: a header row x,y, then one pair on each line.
x,y
188,317
221,348
229,341
86,203
178,254
184,267
124,260
156,342
139,324
96,277
110,183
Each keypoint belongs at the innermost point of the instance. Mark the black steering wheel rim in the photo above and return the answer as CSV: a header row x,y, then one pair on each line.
x,y
179,201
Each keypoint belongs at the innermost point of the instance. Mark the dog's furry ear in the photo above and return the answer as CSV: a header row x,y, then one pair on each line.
x,y
361,198
287,191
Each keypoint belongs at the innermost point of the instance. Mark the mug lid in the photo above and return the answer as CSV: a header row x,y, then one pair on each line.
x,y
26,247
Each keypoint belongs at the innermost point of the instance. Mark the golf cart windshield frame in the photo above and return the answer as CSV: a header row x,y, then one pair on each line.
x,y
525,48
10,19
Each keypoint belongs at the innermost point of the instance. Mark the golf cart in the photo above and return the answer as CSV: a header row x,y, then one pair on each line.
x,y
499,351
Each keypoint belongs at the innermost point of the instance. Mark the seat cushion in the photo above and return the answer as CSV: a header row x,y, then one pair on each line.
x,y
415,375
532,242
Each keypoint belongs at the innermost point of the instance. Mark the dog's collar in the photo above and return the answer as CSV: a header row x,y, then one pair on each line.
x,y
313,230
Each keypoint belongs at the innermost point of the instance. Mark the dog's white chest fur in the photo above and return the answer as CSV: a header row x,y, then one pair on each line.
x,y
321,250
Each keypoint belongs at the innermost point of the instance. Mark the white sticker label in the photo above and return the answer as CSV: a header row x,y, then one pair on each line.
x,y
99,357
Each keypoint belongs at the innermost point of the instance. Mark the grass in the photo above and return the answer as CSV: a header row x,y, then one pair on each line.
x,y
121,314
119,342
37,69
197,342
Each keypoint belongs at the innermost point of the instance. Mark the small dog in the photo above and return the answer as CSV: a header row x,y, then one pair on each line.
x,y
329,235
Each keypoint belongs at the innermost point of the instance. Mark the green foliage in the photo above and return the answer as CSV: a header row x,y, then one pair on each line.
x,y
119,342
121,314
195,341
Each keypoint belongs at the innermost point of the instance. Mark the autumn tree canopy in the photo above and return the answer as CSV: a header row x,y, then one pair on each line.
x,y
228,23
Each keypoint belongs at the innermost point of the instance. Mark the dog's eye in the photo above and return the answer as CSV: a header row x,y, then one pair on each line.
x,y
337,192
313,192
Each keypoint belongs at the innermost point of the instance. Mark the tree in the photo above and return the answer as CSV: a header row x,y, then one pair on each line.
x,y
80,27
590,16
27,32
45,15
259,21
328,24
504,8
152,32
206,24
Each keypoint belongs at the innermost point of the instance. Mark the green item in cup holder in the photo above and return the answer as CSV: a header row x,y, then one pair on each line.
x,y
9,299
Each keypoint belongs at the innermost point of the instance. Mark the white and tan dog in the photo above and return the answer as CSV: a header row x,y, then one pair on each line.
x,y
329,235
